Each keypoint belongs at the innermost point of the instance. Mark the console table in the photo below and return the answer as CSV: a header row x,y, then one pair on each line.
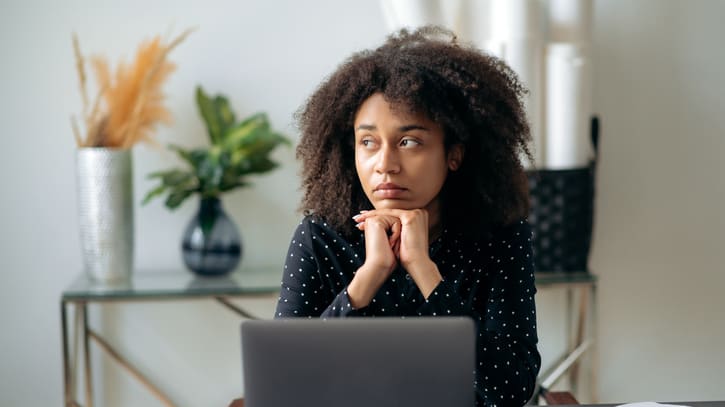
x,y
145,286
581,325
261,283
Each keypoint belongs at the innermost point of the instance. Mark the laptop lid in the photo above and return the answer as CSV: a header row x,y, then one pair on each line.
x,y
359,362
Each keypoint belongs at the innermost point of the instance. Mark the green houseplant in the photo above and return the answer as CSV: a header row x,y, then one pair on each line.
x,y
211,243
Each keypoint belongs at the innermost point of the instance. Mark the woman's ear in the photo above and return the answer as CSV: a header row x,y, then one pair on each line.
x,y
455,157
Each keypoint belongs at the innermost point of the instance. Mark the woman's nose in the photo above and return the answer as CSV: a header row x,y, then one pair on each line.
x,y
387,161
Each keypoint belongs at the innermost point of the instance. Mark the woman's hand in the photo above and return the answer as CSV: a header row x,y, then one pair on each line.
x,y
382,238
382,235
411,248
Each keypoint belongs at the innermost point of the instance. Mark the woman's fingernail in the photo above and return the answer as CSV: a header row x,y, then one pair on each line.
x,y
363,211
356,217
359,224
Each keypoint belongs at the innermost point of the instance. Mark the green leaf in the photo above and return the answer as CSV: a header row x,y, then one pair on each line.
x,y
209,114
230,179
237,149
183,153
224,112
262,164
159,190
210,172
264,144
198,156
247,131
158,174
225,158
232,185
282,139
176,177
176,197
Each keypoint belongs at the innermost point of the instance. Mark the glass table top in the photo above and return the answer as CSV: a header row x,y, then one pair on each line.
x,y
176,284
262,280
543,278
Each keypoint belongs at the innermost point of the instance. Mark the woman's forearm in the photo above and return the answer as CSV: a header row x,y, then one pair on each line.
x,y
426,275
365,285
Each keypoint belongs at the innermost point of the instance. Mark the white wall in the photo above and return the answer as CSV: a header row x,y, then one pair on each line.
x,y
660,193
660,222
265,55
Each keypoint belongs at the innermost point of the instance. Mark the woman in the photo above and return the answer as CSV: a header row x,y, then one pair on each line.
x,y
415,200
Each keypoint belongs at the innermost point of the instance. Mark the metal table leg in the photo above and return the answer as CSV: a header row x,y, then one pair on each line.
x,y
116,356
76,341
579,341
66,361
87,356
579,334
594,360
71,336
241,312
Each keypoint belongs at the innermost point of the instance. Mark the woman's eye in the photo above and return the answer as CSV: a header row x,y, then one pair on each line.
x,y
366,142
407,142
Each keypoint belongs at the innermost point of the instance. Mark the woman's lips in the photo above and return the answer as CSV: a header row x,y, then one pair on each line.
x,y
388,190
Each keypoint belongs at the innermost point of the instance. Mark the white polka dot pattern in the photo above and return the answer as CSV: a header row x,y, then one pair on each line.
x,y
491,281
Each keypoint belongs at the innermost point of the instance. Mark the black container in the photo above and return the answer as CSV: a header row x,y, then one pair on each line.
x,y
561,216
211,245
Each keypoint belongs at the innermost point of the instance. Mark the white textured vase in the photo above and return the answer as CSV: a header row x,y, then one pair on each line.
x,y
105,209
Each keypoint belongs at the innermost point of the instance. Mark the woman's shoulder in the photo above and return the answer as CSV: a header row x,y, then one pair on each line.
x,y
316,227
314,222
517,231
518,227
513,237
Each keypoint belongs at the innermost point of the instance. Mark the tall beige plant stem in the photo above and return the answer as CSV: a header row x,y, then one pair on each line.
x,y
80,67
128,130
76,131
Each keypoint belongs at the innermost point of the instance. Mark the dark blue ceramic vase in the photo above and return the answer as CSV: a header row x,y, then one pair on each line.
x,y
211,244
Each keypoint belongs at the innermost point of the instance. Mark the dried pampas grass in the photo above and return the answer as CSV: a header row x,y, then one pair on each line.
x,y
129,102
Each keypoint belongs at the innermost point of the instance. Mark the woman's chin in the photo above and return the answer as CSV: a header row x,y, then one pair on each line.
x,y
394,204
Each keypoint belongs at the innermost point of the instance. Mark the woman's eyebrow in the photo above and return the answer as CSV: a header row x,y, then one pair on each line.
x,y
410,127
402,129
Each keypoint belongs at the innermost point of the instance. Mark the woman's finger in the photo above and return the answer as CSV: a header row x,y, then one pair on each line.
x,y
360,217
405,215
395,232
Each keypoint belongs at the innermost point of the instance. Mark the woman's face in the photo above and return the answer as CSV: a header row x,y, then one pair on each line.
x,y
400,157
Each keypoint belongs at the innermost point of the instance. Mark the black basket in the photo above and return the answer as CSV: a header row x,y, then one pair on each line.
x,y
561,216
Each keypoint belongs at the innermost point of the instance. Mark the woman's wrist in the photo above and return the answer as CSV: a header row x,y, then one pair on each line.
x,y
363,287
357,298
426,275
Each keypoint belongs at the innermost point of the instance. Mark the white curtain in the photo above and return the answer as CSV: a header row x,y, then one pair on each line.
x,y
547,43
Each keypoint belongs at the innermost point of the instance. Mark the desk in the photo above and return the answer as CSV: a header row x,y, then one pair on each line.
x,y
145,286
579,341
677,403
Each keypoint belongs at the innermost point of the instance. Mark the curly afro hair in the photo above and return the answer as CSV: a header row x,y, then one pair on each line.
x,y
476,98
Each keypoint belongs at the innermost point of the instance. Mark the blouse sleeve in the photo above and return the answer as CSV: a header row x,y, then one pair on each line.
x,y
302,292
507,359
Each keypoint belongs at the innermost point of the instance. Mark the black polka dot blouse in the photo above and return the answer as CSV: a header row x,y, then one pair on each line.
x,y
491,280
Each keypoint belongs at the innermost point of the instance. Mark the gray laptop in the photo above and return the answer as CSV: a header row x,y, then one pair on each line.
x,y
359,362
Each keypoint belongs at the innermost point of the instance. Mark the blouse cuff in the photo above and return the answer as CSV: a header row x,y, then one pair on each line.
x,y
341,307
